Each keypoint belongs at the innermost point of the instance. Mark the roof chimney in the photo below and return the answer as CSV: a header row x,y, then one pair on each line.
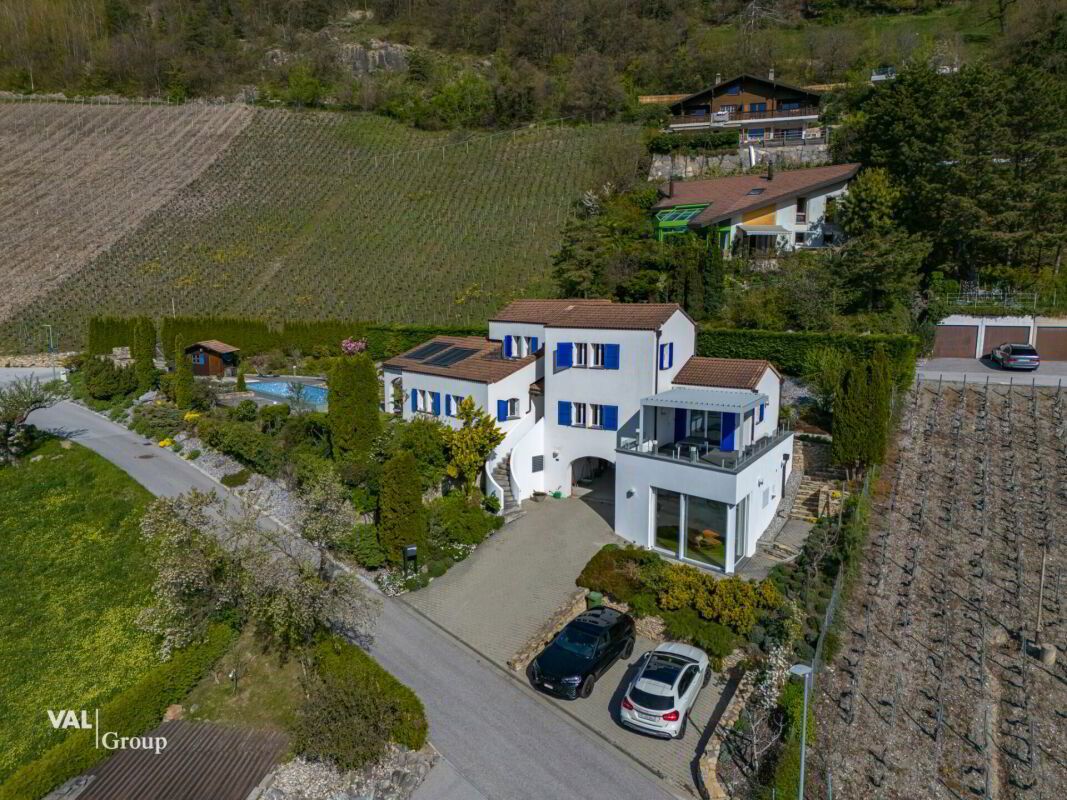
x,y
718,78
770,74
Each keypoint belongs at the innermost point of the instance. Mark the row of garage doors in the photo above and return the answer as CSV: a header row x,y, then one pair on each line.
x,y
960,341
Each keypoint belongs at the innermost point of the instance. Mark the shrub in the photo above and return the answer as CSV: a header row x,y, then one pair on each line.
x,y
244,442
354,708
425,439
643,604
364,546
193,454
235,479
104,381
245,411
617,572
698,142
681,587
156,421
455,519
716,640
438,567
130,713
491,503
273,418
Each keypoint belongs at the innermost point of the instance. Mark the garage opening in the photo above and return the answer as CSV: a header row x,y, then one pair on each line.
x,y
1052,343
996,335
955,341
593,482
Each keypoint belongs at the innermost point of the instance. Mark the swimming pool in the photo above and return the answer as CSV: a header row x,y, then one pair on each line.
x,y
283,390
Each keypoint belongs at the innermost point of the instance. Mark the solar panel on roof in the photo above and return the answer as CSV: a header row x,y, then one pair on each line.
x,y
428,350
450,357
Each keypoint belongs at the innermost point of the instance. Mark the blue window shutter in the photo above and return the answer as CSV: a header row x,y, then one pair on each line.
x,y
679,424
435,403
564,356
670,355
448,405
729,422
611,356
414,400
564,412
610,417
507,347
533,345
762,411
501,410
662,354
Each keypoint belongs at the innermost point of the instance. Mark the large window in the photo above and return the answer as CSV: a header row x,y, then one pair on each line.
x,y
668,520
706,425
705,531
580,357
578,415
597,354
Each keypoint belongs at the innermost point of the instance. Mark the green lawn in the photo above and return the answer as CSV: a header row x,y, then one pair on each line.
x,y
267,695
74,574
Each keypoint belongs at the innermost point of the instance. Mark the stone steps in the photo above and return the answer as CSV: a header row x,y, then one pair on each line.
x,y
511,509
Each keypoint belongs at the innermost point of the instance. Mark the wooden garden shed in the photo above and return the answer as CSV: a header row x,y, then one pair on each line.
x,y
212,357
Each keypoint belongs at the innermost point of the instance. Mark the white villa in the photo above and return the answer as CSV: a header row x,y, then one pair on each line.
x,y
591,390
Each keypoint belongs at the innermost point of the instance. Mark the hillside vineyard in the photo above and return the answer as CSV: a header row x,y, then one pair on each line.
x,y
299,216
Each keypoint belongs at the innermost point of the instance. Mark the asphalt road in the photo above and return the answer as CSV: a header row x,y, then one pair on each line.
x,y
497,741
973,370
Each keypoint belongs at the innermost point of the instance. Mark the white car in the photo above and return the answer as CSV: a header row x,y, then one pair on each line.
x,y
664,690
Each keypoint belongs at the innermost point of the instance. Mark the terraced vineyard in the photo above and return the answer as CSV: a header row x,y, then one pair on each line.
x,y
322,215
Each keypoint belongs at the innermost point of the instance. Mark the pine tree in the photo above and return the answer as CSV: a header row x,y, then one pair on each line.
x,y
241,386
183,375
354,416
402,520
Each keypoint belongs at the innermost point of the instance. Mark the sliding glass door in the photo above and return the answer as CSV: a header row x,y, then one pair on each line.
x,y
692,528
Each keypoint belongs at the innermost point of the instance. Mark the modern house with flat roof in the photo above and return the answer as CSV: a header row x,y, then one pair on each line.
x,y
757,215
763,110
591,391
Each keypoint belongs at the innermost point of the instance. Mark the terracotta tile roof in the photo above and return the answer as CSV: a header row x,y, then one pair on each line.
x,y
677,105
723,373
214,345
485,365
588,314
730,196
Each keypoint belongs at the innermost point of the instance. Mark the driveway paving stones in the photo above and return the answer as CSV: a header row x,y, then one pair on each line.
x,y
497,599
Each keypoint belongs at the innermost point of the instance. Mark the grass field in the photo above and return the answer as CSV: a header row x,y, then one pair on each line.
x,y
313,215
73,576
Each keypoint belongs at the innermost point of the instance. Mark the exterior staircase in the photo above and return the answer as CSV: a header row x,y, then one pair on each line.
x,y
821,479
501,474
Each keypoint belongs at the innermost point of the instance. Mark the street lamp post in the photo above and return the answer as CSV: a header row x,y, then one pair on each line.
x,y
805,672
51,350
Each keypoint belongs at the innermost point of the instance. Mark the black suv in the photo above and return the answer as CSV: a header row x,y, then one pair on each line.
x,y
583,651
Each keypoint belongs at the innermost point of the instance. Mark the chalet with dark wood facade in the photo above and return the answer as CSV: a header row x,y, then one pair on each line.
x,y
762,109
212,357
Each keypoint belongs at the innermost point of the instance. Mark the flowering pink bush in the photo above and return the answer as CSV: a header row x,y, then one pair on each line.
x,y
353,346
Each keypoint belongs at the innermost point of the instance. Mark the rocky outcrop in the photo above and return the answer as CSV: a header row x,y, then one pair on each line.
x,y
374,56
683,166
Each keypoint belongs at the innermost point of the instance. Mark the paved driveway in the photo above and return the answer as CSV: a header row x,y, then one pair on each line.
x,y
973,370
499,598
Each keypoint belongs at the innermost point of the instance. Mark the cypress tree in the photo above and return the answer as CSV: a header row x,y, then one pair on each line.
x,y
355,420
143,350
402,520
183,375
850,408
881,411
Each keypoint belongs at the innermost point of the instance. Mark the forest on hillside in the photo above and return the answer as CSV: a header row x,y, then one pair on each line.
x,y
483,63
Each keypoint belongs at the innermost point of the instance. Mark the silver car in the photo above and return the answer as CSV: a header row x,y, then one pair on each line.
x,y
664,690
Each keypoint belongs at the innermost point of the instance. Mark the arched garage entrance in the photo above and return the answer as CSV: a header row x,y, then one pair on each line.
x,y
593,482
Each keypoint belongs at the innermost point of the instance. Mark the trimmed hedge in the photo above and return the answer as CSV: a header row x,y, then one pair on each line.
x,y
130,713
695,142
788,350
254,336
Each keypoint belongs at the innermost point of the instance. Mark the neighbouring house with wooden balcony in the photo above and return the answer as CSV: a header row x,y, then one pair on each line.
x,y
763,110
757,216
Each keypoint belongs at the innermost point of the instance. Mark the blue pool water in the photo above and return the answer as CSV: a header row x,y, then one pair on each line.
x,y
313,395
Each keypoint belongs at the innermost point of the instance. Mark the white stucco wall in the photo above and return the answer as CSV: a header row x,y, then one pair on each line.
x,y
623,387
515,385
436,383
524,480
636,475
